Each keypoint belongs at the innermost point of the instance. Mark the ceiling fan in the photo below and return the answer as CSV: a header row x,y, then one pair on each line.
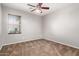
x,y
38,7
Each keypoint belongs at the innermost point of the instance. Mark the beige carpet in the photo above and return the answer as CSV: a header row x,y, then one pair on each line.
x,y
39,47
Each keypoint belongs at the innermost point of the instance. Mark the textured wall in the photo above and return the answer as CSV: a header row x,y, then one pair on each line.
x,y
39,47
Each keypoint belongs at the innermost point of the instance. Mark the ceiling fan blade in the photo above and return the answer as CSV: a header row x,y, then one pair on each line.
x,y
45,7
31,5
33,10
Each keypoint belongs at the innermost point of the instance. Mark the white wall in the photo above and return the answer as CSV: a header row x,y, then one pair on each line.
x,y
63,26
0,24
30,27
0,19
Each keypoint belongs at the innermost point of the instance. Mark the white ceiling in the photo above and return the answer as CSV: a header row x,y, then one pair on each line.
x,y
25,7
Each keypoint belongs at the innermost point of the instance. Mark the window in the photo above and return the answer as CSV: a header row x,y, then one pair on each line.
x,y
14,24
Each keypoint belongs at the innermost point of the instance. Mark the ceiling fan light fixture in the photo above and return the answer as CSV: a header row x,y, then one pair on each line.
x,y
38,11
